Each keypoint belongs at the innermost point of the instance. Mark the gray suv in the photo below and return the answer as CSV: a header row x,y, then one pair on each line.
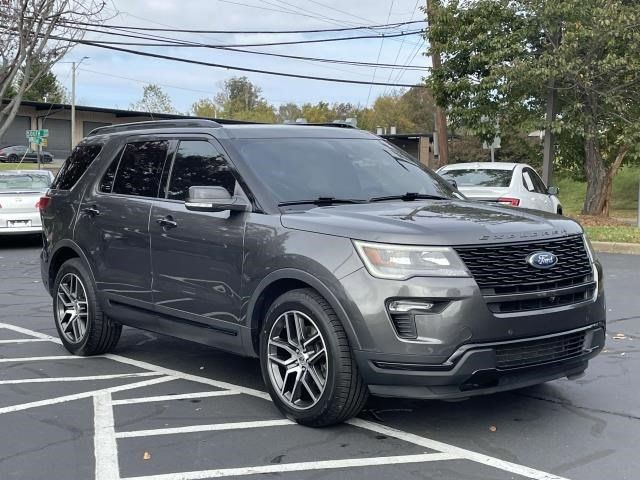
x,y
342,264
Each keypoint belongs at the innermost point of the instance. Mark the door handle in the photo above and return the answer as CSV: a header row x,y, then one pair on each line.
x,y
92,211
167,222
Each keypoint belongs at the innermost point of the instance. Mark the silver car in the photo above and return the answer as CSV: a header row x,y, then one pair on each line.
x,y
20,192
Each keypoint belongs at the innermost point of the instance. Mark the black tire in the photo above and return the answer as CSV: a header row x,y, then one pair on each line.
x,y
101,335
13,158
345,393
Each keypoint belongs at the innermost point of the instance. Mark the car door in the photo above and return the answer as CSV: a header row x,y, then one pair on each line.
x,y
197,256
113,222
539,193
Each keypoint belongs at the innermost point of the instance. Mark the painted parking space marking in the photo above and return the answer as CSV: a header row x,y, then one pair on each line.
x,y
216,427
302,466
23,340
40,359
78,379
106,437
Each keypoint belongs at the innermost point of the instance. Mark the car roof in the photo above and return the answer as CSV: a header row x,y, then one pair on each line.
x,y
483,166
232,130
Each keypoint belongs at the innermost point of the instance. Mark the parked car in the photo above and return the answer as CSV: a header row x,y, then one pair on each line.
x,y
514,184
22,153
331,255
20,192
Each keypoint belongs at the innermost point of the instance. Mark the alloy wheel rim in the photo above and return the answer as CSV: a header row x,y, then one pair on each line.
x,y
297,360
72,308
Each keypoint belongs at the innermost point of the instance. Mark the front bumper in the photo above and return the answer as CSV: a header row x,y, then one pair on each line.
x,y
475,369
454,352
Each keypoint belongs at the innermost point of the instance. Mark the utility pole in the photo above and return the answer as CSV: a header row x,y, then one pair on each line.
x,y
552,104
74,67
440,116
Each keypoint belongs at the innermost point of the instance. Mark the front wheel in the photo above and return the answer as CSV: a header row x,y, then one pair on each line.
x,y
82,325
307,363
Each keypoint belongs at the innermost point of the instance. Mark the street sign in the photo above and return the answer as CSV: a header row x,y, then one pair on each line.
x,y
42,133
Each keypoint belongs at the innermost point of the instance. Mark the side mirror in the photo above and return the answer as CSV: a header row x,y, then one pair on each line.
x,y
213,199
453,183
553,190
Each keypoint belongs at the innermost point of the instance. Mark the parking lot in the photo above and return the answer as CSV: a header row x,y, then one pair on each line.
x,y
161,408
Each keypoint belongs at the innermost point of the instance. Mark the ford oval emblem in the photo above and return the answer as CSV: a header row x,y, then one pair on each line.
x,y
542,260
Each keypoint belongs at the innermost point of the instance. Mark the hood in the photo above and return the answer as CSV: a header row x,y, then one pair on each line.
x,y
431,222
489,193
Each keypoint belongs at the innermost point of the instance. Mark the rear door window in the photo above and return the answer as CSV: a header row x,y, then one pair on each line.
x,y
75,166
138,169
198,163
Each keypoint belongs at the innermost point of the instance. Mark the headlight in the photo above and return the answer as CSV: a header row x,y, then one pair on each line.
x,y
590,251
399,262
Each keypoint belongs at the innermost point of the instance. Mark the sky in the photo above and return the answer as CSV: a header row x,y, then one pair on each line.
x,y
116,79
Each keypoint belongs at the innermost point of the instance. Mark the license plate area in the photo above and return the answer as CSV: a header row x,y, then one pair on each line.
x,y
18,223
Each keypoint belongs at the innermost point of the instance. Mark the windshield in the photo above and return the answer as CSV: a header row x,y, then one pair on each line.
x,y
479,177
359,169
10,182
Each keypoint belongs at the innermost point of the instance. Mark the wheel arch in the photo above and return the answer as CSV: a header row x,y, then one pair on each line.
x,y
64,251
279,282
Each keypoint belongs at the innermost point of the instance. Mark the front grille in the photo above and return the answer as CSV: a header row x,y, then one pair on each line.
x,y
537,352
503,274
405,325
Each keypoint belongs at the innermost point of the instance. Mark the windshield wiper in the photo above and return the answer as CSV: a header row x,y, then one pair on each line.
x,y
409,197
321,201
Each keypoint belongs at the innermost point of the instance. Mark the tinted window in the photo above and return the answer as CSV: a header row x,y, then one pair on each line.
x,y
308,168
106,184
198,163
140,168
73,168
538,184
479,177
527,181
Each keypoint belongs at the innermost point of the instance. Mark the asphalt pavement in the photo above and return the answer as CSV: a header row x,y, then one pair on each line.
x,y
165,409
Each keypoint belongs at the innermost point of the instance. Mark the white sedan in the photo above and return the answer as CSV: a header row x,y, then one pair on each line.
x,y
20,192
515,184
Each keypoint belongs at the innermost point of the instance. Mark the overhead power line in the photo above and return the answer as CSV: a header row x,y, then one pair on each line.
x,y
184,43
386,26
233,67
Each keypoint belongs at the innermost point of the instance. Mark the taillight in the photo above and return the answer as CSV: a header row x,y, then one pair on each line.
x,y
514,202
43,203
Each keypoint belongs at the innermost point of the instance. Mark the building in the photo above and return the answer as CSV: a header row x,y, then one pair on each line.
x,y
419,145
56,118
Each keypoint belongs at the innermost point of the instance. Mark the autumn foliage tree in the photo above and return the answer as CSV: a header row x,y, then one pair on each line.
x,y
500,57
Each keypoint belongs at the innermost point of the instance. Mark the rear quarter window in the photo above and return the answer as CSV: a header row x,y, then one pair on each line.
x,y
75,166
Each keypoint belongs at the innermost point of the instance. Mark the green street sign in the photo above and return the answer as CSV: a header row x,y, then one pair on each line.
x,y
37,140
43,133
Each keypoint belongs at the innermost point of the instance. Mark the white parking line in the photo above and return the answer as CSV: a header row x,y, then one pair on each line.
x,y
215,427
78,379
182,396
104,440
302,466
447,451
79,396
41,359
23,340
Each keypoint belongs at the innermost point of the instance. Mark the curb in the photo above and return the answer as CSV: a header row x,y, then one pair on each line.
x,y
617,247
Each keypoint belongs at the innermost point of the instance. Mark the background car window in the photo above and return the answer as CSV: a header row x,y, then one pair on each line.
x,y
538,184
478,177
140,167
198,163
527,182
23,181
73,168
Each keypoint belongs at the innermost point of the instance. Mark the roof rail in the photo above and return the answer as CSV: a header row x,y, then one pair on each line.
x,y
325,124
178,123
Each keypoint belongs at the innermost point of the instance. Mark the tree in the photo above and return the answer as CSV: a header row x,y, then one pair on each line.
x,y
44,85
289,112
242,100
154,100
500,57
36,31
205,107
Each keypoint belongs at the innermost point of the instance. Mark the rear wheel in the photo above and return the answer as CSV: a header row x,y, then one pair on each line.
x,y
307,363
13,158
82,325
